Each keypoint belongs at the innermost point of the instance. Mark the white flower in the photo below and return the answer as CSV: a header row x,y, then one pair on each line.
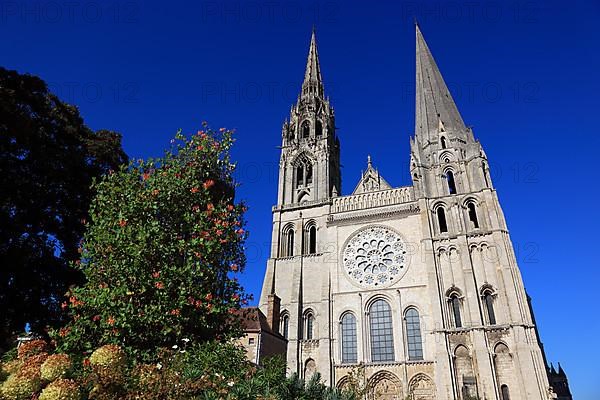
x,y
185,340
174,346
230,383
159,366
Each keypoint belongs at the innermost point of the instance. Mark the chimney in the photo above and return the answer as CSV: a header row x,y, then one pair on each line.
x,y
273,312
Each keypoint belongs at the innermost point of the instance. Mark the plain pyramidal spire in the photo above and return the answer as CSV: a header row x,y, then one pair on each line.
x,y
435,107
313,83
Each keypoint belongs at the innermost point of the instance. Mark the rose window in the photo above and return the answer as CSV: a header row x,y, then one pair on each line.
x,y
375,257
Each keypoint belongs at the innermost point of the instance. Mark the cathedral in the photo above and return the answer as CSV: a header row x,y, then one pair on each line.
x,y
418,286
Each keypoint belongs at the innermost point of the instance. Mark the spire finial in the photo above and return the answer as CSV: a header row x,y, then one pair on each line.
x,y
313,83
369,161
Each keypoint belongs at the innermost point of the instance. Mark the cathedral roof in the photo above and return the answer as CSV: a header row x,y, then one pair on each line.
x,y
435,109
371,180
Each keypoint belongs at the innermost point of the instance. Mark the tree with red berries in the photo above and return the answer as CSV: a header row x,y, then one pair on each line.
x,y
160,253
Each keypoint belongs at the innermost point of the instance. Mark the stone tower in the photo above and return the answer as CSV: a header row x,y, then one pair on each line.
x,y
418,286
309,169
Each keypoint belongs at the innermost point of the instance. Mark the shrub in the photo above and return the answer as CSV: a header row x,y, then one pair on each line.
x,y
12,367
32,348
56,366
20,386
61,389
163,242
108,356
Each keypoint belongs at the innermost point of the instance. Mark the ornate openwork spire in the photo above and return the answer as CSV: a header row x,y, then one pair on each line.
x,y
313,83
435,109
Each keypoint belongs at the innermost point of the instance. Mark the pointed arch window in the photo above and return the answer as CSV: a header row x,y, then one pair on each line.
x,y
285,325
318,128
309,322
289,243
414,340
488,302
304,173
349,342
454,303
382,335
305,129
444,145
312,240
441,216
300,175
451,183
473,215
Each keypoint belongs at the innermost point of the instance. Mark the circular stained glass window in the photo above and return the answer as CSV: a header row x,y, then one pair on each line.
x,y
375,257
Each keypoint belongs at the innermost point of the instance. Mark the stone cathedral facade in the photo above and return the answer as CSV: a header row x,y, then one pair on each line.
x,y
418,284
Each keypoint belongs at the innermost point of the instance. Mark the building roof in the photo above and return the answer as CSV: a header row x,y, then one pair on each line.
x,y
252,319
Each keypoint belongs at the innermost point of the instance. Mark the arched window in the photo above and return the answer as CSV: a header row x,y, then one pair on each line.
x,y
504,393
289,247
305,129
441,215
349,344
309,322
414,341
455,309
488,301
285,325
451,183
312,240
382,336
318,129
310,368
300,175
473,215
443,142
304,173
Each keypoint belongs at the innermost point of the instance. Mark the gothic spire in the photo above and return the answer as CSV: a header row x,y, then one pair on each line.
x,y
435,109
313,83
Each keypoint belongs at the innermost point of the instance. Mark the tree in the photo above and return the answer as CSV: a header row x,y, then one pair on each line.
x,y
48,159
161,247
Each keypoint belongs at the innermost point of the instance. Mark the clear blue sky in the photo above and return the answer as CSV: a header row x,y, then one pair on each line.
x,y
524,74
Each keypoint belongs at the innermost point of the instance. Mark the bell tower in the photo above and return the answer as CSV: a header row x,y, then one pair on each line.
x,y
309,168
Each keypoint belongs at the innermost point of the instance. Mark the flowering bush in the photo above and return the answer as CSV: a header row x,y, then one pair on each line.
x,y
56,366
25,378
11,367
164,240
109,357
20,386
210,370
61,389
32,348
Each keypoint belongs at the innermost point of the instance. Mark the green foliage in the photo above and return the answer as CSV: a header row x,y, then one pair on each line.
x,y
162,243
203,371
48,158
296,388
